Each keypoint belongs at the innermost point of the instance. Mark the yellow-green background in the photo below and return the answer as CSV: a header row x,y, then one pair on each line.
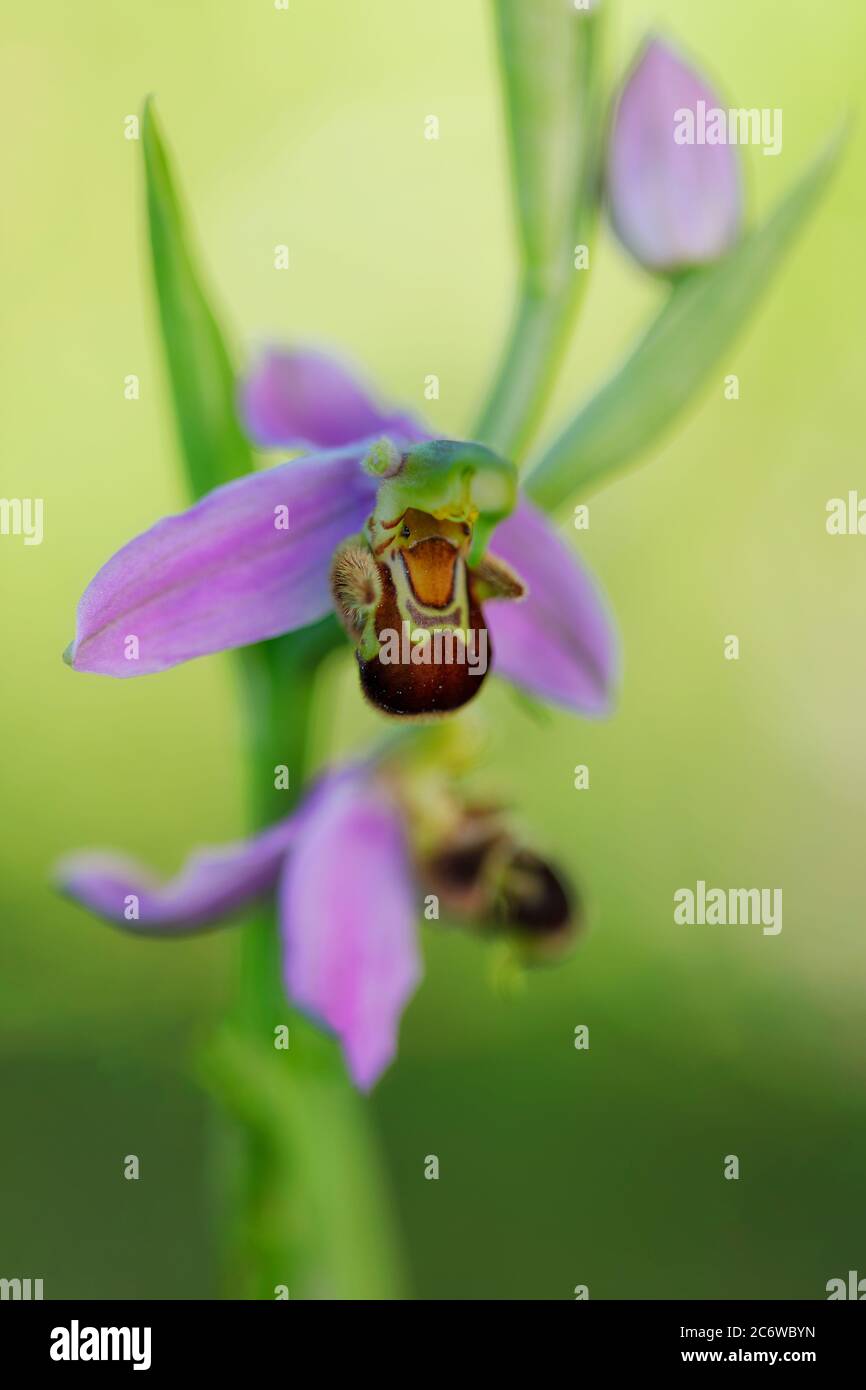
x,y
557,1167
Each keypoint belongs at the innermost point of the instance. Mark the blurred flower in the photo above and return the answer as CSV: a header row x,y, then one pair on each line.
x,y
484,872
673,204
381,523
346,869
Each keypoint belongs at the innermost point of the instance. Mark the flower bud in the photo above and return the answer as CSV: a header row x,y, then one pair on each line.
x,y
675,195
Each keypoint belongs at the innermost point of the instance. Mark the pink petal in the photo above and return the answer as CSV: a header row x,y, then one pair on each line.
x,y
212,885
226,572
557,642
307,399
348,919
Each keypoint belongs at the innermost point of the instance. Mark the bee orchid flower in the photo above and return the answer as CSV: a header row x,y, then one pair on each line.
x,y
378,522
349,942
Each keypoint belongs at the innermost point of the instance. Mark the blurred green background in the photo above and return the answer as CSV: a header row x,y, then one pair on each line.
x,y
558,1167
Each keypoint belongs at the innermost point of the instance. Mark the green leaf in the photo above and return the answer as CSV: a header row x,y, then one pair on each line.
x,y
705,311
551,77
200,372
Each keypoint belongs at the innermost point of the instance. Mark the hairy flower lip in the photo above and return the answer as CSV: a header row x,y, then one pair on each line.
x,y
533,899
484,871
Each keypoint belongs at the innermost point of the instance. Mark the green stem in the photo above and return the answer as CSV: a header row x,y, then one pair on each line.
x,y
309,1209
305,1200
539,332
550,60
279,685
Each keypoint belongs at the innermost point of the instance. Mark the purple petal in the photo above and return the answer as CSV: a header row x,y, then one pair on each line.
x,y
557,642
673,205
227,572
306,399
348,915
212,885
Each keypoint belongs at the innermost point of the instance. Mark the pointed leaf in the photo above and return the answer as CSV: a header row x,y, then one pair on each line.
x,y
698,322
200,371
